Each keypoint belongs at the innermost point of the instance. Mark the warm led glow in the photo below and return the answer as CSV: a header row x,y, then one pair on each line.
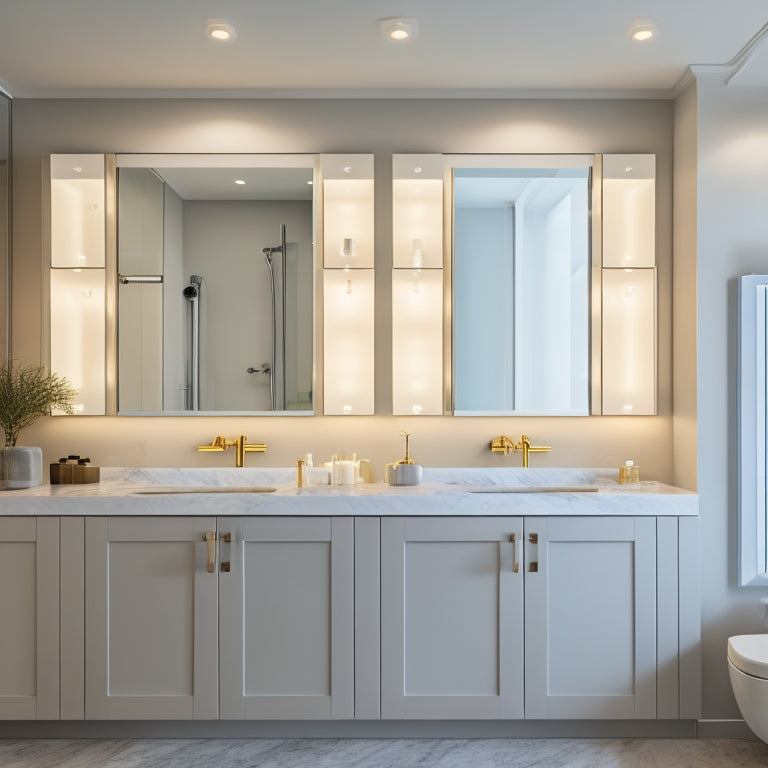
x,y
398,30
417,219
629,211
78,230
348,317
220,30
78,333
417,341
641,30
629,347
348,219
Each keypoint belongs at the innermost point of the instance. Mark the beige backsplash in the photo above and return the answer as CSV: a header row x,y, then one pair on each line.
x,y
436,441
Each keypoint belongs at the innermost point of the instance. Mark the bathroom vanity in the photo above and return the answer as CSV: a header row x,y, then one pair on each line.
x,y
479,595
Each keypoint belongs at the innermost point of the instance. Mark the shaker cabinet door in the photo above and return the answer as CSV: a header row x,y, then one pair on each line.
x,y
286,592
451,618
29,606
590,617
151,619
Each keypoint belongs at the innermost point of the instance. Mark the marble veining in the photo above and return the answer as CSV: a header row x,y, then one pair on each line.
x,y
445,491
382,753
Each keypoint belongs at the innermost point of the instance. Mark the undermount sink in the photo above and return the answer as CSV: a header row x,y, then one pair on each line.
x,y
535,489
207,489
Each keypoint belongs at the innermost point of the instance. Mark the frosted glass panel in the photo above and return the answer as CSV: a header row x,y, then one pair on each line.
x,y
78,334
629,342
77,211
629,211
348,313
417,341
347,211
417,223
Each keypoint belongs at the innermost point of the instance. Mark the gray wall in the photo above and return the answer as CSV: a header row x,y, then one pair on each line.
x,y
732,194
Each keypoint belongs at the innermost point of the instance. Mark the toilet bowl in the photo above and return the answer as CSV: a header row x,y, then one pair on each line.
x,y
748,670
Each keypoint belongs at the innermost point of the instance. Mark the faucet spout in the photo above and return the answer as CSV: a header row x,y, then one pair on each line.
x,y
240,444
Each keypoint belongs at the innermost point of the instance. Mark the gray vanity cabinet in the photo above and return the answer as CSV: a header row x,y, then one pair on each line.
x,y
151,619
451,618
29,606
563,622
286,591
590,617
259,626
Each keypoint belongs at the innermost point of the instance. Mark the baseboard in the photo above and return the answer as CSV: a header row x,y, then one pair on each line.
x,y
724,729
349,729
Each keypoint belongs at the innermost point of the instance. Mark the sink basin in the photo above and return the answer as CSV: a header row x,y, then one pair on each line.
x,y
207,489
535,489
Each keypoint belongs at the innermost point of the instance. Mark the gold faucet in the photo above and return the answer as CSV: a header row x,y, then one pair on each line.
x,y
503,444
240,444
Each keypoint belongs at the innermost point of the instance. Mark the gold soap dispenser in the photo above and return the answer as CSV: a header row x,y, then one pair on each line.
x,y
405,471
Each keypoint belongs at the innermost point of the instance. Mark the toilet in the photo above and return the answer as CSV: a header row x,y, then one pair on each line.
x,y
748,670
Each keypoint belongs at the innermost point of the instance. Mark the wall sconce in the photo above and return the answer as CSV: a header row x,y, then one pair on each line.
x,y
348,284
417,285
78,277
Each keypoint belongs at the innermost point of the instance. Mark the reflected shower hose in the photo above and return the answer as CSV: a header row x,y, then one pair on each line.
x,y
192,295
268,253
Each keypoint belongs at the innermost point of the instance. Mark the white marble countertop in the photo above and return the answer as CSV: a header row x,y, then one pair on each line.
x,y
445,491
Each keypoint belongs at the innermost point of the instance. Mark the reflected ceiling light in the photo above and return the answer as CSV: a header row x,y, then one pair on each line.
x,y
220,29
398,29
641,29
239,181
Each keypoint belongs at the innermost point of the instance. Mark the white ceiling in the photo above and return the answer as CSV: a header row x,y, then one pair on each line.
x,y
64,48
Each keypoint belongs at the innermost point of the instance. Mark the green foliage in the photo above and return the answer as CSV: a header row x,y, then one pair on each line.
x,y
28,392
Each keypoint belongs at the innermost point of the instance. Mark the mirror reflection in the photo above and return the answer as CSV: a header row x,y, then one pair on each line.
x,y
215,284
521,298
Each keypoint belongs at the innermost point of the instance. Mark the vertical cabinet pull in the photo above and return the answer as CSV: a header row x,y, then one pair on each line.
x,y
224,567
533,565
515,558
210,538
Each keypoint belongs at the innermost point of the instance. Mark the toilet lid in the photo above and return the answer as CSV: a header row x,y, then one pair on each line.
x,y
749,653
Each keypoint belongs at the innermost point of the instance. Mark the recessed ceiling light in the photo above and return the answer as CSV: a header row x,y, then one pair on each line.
x,y
641,29
239,181
220,30
399,30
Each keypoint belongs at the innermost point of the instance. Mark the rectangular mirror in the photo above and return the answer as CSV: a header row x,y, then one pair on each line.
x,y
521,284
215,270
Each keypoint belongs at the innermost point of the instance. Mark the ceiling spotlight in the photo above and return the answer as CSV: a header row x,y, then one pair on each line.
x,y
240,181
641,29
220,30
398,29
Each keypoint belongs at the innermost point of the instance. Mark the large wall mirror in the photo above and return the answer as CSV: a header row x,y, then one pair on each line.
x,y
549,307
521,285
210,279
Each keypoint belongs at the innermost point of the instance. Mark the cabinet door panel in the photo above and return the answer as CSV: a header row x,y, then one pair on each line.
x,y
451,618
287,628
151,619
29,631
590,618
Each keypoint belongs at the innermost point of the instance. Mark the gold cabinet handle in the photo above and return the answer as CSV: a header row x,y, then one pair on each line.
x,y
515,558
225,565
210,538
533,565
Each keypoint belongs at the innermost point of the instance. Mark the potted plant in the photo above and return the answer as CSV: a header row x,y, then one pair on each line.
x,y
26,393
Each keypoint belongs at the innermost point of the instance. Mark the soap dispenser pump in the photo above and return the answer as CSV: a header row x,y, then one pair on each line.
x,y
405,471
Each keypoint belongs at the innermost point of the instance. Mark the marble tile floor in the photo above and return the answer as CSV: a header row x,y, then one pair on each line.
x,y
382,753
